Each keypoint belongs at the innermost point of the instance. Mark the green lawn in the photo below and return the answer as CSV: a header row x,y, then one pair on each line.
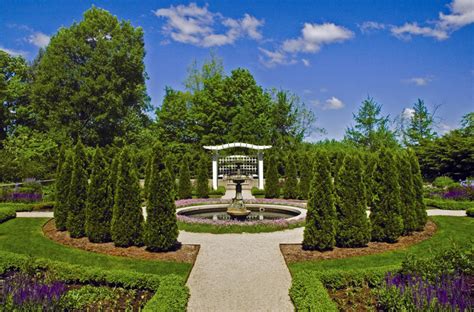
x,y
24,236
459,230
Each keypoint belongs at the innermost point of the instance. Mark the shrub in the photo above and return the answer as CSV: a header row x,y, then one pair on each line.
x,y
387,224
112,180
63,185
290,189
43,206
309,294
257,192
320,230
161,228
353,229
448,204
306,167
220,191
272,185
202,184
7,214
98,206
171,296
407,194
459,193
76,215
443,182
470,212
185,189
127,216
420,208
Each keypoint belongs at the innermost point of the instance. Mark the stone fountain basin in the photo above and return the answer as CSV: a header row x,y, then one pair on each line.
x,y
290,213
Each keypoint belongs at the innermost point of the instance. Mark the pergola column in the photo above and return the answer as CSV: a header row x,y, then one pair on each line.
x,y
215,159
260,171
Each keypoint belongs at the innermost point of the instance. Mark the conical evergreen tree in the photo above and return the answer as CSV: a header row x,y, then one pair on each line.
x,y
370,161
336,158
161,228
185,189
320,230
387,224
272,185
147,176
290,190
76,216
202,184
353,229
63,184
420,209
407,194
112,180
98,206
306,168
127,217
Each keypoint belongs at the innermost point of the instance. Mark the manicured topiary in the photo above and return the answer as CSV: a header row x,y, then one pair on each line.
x,y
290,189
387,224
407,194
420,209
202,184
320,230
185,189
272,185
63,184
353,229
336,159
98,206
127,216
113,170
306,168
470,212
147,176
370,165
76,216
161,228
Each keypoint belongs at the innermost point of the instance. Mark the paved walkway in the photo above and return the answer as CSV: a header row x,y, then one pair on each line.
x,y
246,194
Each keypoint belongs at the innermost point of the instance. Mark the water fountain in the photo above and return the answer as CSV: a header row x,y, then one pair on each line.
x,y
237,209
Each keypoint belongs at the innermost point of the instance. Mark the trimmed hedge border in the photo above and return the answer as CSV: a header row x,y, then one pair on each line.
x,y
448,204
309,288
7,214
171,293
470,212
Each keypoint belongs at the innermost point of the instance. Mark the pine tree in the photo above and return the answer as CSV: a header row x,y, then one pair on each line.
x,y
387,224
353,229
407,194
185,189
202,184
63,184
320,230
161,228
306,168
420,209
127,218
99,205
272,185
76,216
290,189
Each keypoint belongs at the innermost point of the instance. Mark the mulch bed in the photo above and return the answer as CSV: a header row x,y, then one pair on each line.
x,y
185,254
295,253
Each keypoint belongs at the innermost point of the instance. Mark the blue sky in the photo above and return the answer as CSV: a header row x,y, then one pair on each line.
x,y
333,54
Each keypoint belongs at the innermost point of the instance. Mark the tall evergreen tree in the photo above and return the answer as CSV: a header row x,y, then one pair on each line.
x,y
407,194
387,224
63,185
112,180
306,168
320,230
290,189
185,189
76,216
98,206
272,185
202,184
147,176
353,229
127,217
336,158
161,228
370,161
420,209
420,127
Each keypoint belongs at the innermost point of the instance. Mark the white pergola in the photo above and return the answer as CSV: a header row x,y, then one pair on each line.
x,y
215,158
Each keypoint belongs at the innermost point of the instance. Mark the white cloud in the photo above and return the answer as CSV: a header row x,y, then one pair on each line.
x,y
313,37
316,102
408,113
409,29
323,90
272,58
370,26
307,91
444,128
461,14
198,26
13,52
333,103
419,81
39,39
316,35
306,62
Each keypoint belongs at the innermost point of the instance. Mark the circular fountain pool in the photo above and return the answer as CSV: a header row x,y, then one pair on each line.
x,y
259,212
